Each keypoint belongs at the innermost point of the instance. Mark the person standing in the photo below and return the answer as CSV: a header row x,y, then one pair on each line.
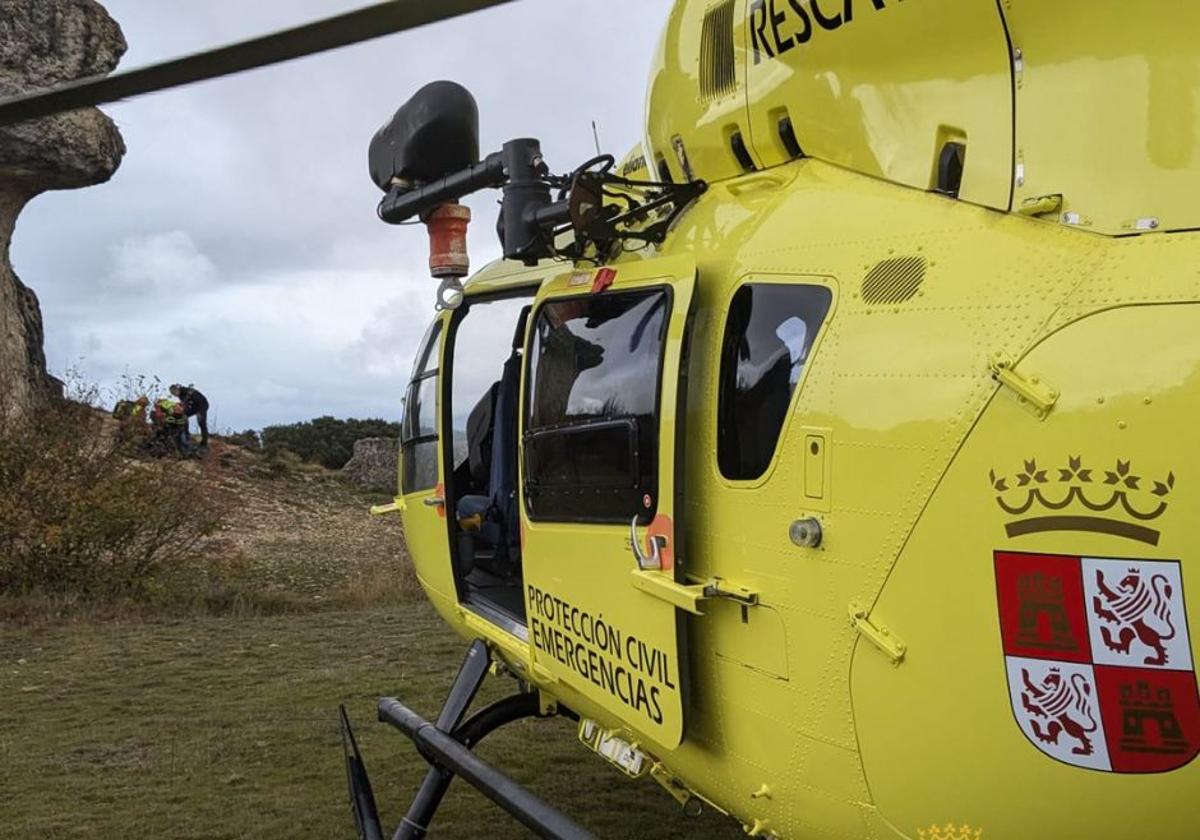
x,y
195,404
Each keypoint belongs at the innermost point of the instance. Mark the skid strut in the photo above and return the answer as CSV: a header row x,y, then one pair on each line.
x,y
447,745
437,781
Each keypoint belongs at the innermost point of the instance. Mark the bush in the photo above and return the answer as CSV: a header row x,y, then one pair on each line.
x,y
247,439
325,440
80,516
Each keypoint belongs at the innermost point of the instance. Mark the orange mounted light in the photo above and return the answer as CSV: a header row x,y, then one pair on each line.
x,y
447,225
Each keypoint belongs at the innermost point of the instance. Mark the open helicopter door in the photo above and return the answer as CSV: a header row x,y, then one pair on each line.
x,y
602,411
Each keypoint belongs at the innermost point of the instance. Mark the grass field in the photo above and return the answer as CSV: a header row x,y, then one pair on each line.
x,y
206,727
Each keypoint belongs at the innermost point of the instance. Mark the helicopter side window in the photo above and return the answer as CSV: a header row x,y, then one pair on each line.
x,y
591,420
768,335
418,428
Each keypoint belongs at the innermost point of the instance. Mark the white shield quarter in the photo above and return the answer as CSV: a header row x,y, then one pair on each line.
x,y
1058,709
1135,613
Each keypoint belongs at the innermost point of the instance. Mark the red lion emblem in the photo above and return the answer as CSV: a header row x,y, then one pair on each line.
x,y
1142,612
1064,704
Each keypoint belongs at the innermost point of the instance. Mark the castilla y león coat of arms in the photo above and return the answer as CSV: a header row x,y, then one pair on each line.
x,y
1099,660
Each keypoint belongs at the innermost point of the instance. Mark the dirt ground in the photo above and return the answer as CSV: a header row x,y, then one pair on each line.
x,y
306,533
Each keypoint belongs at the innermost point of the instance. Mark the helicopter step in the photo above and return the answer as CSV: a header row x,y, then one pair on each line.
x,y
446,745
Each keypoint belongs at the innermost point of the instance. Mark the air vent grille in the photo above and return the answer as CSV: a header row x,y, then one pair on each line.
x,y
893,281
718,71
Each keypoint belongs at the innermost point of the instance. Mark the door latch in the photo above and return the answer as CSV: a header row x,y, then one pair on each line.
x,y
1031,391
397,506
877,634
717,588
690,596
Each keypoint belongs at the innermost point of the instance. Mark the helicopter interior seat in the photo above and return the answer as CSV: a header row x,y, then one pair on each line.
x,y
489,516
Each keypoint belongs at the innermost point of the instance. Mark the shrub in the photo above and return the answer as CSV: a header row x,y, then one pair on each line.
x,y
79,515
325,440
247,439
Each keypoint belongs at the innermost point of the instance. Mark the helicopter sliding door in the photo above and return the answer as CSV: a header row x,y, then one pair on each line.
x,y
599,501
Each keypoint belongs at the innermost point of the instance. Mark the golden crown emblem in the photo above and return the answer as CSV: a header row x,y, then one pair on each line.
x,y
1075,497
950,831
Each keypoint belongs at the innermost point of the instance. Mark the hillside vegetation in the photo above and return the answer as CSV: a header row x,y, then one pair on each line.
x,y
327,441
90,527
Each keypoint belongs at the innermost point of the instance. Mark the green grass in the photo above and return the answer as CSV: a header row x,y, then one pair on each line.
x,y
225,728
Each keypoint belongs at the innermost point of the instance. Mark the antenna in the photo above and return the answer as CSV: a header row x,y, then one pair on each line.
x,y
596,137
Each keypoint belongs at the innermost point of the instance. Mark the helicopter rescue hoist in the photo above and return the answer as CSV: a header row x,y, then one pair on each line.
x,y
825,459
437,132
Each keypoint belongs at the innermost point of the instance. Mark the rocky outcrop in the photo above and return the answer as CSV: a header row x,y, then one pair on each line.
x,y
44,43
373,464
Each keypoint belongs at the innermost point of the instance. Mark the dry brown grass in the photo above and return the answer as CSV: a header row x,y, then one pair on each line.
x,y
292,538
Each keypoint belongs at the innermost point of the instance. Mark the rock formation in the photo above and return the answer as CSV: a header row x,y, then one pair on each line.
x,y
44,43
373,464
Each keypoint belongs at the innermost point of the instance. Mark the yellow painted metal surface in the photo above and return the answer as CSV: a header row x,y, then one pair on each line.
x,y
683,121
880,88
1115,407
1083,113
1108,110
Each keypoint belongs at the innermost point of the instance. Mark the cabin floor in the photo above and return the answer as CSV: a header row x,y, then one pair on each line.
x,y
488,589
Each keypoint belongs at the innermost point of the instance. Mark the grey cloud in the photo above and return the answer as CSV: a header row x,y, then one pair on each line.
x,y
237,247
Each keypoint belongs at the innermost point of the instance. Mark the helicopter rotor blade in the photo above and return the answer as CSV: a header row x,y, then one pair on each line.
x,y
342,30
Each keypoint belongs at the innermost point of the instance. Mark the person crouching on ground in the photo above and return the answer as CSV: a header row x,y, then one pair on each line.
x,y
131,419
195,405
171,426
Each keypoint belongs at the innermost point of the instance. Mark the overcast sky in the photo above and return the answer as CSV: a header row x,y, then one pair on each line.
x,y
237,247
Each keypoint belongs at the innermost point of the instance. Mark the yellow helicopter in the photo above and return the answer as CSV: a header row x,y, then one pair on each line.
x,y
825,458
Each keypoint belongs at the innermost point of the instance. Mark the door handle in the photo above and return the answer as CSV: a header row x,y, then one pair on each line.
x,y
435,501
691,597
397,506
657,543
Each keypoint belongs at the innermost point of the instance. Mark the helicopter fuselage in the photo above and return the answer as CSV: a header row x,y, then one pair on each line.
x,y
902,443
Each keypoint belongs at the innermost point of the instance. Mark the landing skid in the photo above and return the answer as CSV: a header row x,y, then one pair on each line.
x,y
447,746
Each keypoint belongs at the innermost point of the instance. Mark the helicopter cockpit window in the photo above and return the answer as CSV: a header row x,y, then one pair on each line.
x,y
418,428
591,420
768,335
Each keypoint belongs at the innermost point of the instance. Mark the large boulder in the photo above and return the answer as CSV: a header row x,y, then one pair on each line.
x,y
373,464
44,43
